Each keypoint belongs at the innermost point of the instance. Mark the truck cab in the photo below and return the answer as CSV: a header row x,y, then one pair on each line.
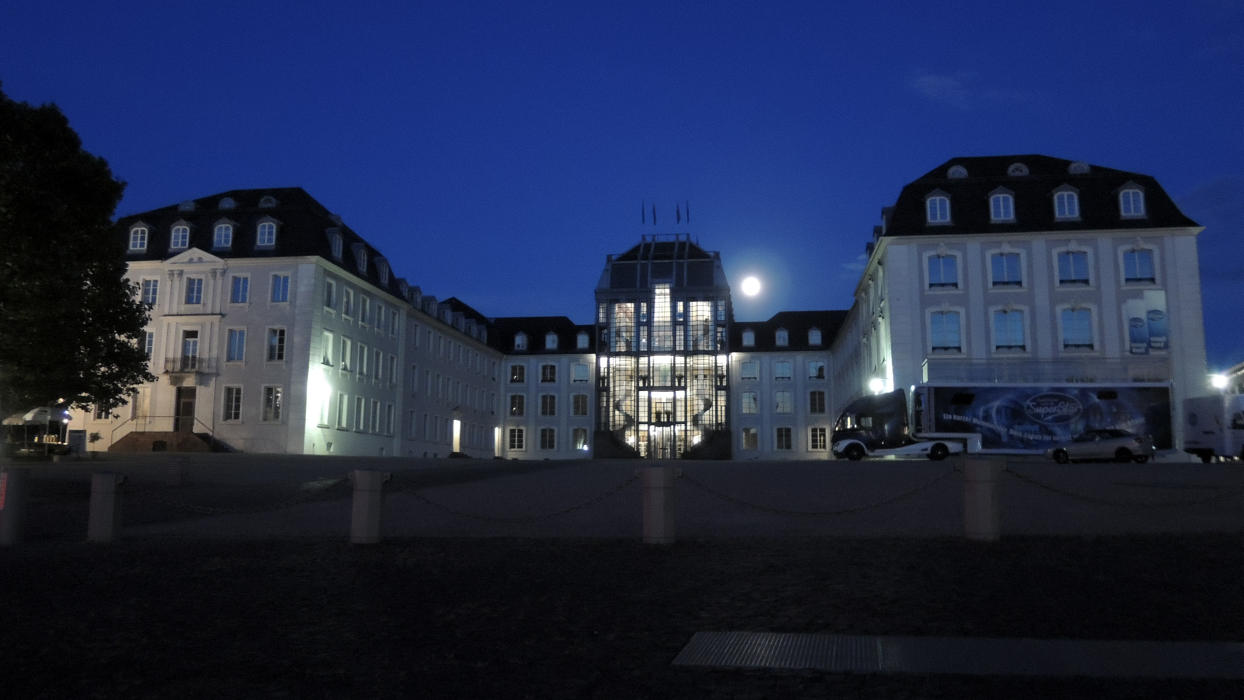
x,y
877,426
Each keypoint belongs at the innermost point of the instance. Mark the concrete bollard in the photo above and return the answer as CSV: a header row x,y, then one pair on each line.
x,y
105,514
368,505
659,504
981,508
14,484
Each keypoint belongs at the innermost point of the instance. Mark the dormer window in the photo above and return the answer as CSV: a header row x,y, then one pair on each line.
x,y
749,338
138,238
180,237
187,205
1132,203
1001,206
957,172
1078,168
1066,204
781,338
581,340
937,209
335,243
227,203
360,258
550,341
520,341
267,202
222,236
382,270
265,235
1017,170
814,336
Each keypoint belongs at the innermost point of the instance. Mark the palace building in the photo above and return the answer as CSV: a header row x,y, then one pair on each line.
x,y
276,328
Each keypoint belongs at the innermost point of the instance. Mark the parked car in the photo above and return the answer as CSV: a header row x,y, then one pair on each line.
x,y
1105,443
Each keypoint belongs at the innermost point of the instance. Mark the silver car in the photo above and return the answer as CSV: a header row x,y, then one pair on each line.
x,y
1104,443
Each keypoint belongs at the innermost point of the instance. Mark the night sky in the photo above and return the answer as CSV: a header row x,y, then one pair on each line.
x,y
498,151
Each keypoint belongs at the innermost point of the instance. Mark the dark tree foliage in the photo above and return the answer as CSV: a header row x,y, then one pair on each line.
x,y
70,322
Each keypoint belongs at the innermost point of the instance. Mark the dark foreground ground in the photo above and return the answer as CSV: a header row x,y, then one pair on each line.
x,y
501,618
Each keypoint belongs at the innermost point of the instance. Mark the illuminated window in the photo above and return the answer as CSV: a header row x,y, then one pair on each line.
x,y
518,374
271,404
816,439
516,439
276,344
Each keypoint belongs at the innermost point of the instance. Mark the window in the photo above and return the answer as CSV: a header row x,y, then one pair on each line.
x,y
781,338
149,343
937,209
782,402
194,290
1131,204
377,363
330,295
516,439
138,238
336,245
343,411
1076,324
360,413
375,416
103,412
180,237
518,404
1001,207
518,374
581,341
550,341
814,336
265,237
393,370
751,439
151,292
276,344
327,343
548,373
1138,266
345,354
548,439
280,288
393,320
944,332
548,405
749,369
222,236
1066,204
347,302
579,372
232,404
520,341
360,353
1008,329
816,402
578,437
1073,268
271,404
1006,270
943,271
782,370
364,310
578,405
189,350
235,348
782,439
816,439
239,289
816,369
749,338
380,317
751,402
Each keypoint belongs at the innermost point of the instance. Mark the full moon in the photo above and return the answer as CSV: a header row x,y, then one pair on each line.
x,y
751,286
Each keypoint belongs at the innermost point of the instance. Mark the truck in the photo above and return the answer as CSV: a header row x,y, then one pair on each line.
x,y
948,418
1214,426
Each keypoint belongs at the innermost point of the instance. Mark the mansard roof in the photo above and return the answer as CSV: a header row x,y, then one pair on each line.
x,y
969,181
797,325
304,227
536,328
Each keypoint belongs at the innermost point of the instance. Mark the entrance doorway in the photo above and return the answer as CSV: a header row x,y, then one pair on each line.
x,y
183,421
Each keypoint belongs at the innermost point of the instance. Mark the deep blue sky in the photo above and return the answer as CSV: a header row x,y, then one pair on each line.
x,y
497,151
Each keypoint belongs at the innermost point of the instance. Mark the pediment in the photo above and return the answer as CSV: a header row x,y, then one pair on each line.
x,y
194,256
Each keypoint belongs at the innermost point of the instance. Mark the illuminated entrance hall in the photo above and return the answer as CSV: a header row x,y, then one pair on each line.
x,y
662,324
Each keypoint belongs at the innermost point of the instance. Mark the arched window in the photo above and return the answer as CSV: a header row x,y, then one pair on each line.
x,y
749,338
937,209
265,235
781,338
138,238
550,341
814,336
222,236
1132,203
520,341
180,239
1066,204
1001,206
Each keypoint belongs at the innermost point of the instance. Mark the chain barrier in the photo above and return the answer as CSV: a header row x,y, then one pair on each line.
x,y
414,492
819,513
1124,504
307,492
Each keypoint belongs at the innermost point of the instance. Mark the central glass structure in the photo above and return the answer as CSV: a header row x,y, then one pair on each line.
x,y
662,322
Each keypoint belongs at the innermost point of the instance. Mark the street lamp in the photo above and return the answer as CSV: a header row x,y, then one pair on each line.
x,y
1219,381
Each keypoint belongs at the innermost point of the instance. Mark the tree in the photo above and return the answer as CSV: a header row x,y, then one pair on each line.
x,y
70,322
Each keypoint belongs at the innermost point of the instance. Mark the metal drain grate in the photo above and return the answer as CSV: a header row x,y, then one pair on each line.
x,y
972,656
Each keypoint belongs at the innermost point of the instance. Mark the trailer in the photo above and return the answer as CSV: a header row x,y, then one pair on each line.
x,y
947,419
1214,426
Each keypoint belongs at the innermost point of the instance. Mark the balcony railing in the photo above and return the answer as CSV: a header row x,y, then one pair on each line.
x,y
189,363
1026,370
